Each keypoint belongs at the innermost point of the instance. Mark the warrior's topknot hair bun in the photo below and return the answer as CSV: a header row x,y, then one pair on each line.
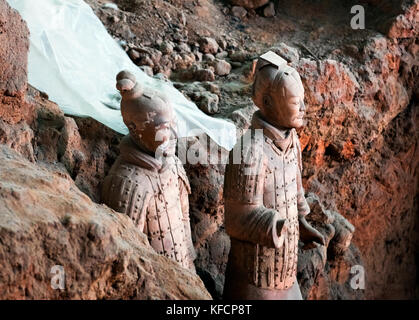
x,y
125,81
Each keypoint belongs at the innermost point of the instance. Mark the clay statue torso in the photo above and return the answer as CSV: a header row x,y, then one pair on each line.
x,y
155,196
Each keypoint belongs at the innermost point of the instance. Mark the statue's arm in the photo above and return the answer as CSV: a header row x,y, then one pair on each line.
x,y
302,205
308,234
124,196
184,191
246,218
255,223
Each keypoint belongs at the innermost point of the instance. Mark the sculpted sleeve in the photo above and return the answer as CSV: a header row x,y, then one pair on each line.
x,y
303,207
246,218
123,195
184,191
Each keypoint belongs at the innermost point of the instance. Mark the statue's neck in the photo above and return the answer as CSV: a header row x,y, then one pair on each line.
x,y
284,132
142,147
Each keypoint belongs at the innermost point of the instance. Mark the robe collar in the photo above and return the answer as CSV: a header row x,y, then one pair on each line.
x,y
131,153
281,138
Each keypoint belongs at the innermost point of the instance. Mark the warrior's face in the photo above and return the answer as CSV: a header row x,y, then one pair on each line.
x,y
158,134
287,107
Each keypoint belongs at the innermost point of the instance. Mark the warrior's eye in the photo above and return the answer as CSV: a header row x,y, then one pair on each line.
x,y
294,100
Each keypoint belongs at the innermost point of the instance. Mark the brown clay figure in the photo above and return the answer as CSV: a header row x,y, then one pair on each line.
x,y
147,181
265,207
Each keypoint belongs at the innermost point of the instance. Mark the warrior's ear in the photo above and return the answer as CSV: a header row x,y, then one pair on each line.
x,y
131,126
134,130
267,101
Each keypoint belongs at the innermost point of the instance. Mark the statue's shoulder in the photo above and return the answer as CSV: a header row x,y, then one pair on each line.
x,y
127,169
297,146
249,152
245,171
296,139
125,182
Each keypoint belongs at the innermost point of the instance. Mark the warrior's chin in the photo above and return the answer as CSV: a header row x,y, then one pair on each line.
x,y
299,123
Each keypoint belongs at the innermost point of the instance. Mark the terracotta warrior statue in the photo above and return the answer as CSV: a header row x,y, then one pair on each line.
x,y
147,181
265,207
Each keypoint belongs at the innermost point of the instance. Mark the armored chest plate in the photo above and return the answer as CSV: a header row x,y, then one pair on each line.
x,y
164,225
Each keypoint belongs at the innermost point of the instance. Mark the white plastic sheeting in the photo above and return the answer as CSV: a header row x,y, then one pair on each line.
x,y
74,60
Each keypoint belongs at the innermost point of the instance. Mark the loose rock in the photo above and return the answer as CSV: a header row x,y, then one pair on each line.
x,y
221,67
208,103
269,10
204,75
208,45
240,56
222,55
133,54
166,48
208,57
239,12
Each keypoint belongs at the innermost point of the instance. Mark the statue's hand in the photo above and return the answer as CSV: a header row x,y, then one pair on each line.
x,y
310,236
282,227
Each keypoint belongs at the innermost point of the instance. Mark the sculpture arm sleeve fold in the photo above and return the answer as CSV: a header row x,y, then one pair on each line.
x,y
184,191
126,197
302,205
258,225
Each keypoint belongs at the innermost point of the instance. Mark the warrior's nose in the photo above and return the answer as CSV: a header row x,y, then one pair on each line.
x,y
302,106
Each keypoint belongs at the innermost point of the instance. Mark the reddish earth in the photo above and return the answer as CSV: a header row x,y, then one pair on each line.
x,y
13,65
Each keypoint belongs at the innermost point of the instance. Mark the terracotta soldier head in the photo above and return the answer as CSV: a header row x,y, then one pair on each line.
x,y
148,115
278,92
